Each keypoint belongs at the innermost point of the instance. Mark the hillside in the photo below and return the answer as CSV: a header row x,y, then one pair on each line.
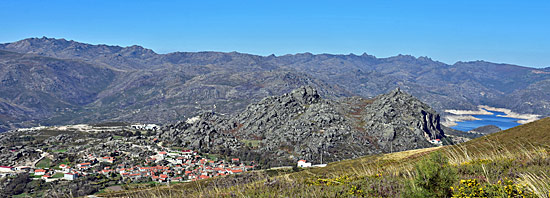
x,y
36,87
144,86
74,91
487,129
516,159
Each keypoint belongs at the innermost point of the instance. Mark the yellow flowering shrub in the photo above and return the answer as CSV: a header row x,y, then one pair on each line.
x,y
354,190
503,188
468,188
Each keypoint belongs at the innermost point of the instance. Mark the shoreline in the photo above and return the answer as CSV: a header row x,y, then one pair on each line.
x,y
524,118
450,121
467,115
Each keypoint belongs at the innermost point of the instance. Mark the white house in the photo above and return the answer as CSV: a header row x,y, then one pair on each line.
x,y
39,172
137,126
65,168
303,164
107,159
152,127
69,176
6,169
145,126
85,165
436,141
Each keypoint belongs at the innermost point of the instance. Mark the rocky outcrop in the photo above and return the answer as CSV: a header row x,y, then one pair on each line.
x,y
208,132
279,130
397,111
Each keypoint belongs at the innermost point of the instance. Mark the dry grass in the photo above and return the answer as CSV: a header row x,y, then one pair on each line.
x,y
537,183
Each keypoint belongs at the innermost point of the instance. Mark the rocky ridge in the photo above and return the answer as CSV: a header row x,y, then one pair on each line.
x,y
301,124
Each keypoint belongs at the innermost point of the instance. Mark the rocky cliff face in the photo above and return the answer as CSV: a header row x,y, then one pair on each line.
x,y
396,111
279,130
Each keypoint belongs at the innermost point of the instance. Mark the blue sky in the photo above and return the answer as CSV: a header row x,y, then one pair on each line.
x,y
516,32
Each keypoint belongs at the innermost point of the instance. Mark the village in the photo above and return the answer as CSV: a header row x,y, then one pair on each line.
x,y
184,165
108,156
135,158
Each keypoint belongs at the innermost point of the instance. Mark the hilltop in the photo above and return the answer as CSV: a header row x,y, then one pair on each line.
x,y
135,84
280,130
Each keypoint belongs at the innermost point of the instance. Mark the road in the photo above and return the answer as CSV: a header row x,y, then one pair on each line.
x,y
42,156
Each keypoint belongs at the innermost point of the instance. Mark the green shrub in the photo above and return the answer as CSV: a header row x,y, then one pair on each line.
x,y
434,178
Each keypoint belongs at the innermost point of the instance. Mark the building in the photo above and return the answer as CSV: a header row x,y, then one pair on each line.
x,y
69,176
303,164
107,159
187,152
151,127
6,169
436,141
65,168
39,172
84,165
145,126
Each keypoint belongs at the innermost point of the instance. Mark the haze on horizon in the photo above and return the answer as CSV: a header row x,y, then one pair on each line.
x,y
497,31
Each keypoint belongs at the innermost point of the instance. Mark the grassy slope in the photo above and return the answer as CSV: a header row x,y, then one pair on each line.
x,y
536,133
520,153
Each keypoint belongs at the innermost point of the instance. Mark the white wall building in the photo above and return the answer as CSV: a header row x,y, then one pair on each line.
x,y
69,176
6,169
303,164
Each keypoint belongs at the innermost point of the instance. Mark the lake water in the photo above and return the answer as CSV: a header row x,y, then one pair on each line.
x,y
494,119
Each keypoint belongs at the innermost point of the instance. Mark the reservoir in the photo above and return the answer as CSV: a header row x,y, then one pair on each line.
x,y
494,119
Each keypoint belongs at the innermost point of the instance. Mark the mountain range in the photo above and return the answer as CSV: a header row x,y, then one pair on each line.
x,y
55,81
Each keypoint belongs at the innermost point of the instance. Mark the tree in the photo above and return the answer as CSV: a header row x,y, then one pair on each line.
x,y
17,185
